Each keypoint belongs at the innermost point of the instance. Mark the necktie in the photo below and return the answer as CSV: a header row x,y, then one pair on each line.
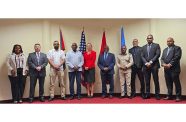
x,y
148,49
168,51
105,56
38,56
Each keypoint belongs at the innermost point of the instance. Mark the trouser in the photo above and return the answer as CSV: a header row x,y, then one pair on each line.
x,y
125,77
147,75
170,78
137,71
105,78
17,85
72,76
33,81
60,75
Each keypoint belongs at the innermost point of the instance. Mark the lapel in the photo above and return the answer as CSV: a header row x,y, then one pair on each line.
x,y
13,61
170,51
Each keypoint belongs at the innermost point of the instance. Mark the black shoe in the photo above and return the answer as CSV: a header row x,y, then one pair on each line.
x,y
42,99
110,96
103,96
78,97
178,99
51,98
30,100
157,97
63,98
147,97
133,95
121,97
143,96
167,98
71,97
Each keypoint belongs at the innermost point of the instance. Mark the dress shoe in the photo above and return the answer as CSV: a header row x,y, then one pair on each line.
x,y
20,101
78,97
132,96
157,97
178,99
15,102
121,97
167,98
42,99
30,100
110,96
63,98
51,98
71,97
143,96
103,96
147,97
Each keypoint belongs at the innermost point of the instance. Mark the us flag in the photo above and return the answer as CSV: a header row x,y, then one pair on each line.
x,y
82,49
82,46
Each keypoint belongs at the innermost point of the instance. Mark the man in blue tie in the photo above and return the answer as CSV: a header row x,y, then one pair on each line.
x,y
106,63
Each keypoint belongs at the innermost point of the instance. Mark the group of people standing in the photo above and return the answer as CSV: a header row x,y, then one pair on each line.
x,y
141,61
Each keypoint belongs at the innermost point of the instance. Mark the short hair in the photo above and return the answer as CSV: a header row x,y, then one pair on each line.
x,y
13,50
56,41
37,44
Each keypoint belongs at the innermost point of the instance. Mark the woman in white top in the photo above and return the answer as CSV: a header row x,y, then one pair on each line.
x,y
17,72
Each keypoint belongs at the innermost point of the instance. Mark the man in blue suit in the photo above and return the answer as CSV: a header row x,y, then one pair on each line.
x,y
106,62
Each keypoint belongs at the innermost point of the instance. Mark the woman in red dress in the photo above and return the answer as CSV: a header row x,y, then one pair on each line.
x,y
89,68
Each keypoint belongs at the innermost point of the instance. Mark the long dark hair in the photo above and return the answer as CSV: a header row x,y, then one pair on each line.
x,y
13,50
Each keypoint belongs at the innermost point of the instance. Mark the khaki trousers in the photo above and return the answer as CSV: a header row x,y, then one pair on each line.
x,y
125,76
60,75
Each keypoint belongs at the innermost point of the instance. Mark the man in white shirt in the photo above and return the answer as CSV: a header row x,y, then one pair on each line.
x,y
56,58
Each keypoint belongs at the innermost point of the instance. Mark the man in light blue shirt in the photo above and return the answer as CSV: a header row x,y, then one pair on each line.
x,y
74,61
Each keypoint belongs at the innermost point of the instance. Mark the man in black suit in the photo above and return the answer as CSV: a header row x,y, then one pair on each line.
x,y
106,63
150,57
37,63
137,69
170,60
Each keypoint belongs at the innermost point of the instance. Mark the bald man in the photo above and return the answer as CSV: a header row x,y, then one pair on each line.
x,y
150,57
170,60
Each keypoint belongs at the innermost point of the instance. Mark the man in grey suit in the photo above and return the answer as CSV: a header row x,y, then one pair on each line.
x,y
170,60
37,63
150,57
137,69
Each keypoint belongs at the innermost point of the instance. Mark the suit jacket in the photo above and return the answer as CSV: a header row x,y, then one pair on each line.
x,y
136,54
33,63
109,62
173,58
153,55
11,63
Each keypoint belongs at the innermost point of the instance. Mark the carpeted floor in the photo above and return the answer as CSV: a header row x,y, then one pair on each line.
x,y
114,100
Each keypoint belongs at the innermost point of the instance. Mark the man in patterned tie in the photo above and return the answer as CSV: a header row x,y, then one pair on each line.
x,y
37,62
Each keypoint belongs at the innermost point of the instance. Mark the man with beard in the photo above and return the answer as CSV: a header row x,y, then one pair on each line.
x,y
56,59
